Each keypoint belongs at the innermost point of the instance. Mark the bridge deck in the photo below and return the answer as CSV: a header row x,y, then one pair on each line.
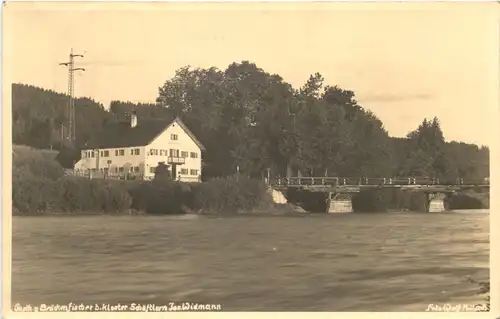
x,y
349,184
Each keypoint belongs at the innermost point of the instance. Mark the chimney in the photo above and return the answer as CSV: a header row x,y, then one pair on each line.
x,y
133,119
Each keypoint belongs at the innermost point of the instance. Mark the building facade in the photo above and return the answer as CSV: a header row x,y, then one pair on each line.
x,y
133,149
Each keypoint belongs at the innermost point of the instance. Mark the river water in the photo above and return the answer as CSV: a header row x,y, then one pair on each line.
x,y
350,262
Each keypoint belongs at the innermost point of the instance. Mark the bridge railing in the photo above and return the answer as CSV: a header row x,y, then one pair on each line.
x,y
358,181
339,181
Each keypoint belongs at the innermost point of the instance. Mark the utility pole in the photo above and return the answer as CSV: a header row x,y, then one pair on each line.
x,y
71,103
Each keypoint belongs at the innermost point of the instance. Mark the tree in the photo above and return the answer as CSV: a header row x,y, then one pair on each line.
x,y
254,120
162,173
39,116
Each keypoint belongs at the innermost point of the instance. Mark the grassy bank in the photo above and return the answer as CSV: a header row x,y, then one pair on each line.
x,y
382,200
385,200
40,187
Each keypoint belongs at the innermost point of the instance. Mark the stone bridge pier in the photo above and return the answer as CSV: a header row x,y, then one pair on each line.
x,y
339,202
436,202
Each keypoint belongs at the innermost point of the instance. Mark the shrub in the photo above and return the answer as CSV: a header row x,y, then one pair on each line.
x,y
161,172
382,200
34,176
33,195
230,194
117,197
36,195
160,196
37,165
74,194
373,200
68,156
39,186
140,192
463,201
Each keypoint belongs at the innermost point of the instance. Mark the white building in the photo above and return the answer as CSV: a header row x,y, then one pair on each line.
x,y
135,148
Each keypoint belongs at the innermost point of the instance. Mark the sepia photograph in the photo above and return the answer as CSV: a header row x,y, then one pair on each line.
x,y
249,156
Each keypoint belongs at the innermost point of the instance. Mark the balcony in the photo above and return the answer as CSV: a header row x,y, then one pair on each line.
x,y
176,160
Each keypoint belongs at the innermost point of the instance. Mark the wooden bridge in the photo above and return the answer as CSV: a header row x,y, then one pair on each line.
x,y
341,189
357,183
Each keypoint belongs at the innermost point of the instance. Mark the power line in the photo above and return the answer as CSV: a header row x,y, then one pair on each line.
x,y
71,136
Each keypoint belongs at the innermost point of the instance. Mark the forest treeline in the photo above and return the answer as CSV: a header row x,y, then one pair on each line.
x,y
249,118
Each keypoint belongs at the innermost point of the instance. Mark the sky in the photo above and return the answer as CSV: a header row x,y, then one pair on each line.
x,y
404,61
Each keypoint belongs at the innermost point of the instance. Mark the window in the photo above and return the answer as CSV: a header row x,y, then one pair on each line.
x,y
194,155
137,151
174,153
122,152
184,171
92,154
116,152
132,151
194,172
152,170
120,169
184,154
136,169
105,153
174,137
162,152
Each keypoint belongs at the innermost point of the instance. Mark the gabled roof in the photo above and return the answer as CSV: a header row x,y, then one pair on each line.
x,y
117,135
188,132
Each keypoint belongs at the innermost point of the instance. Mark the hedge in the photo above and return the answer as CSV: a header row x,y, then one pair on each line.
x,y
39,186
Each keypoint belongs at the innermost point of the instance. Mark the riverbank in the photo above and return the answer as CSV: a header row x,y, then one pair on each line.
x,y
388,200
41,188
33,195
271,210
